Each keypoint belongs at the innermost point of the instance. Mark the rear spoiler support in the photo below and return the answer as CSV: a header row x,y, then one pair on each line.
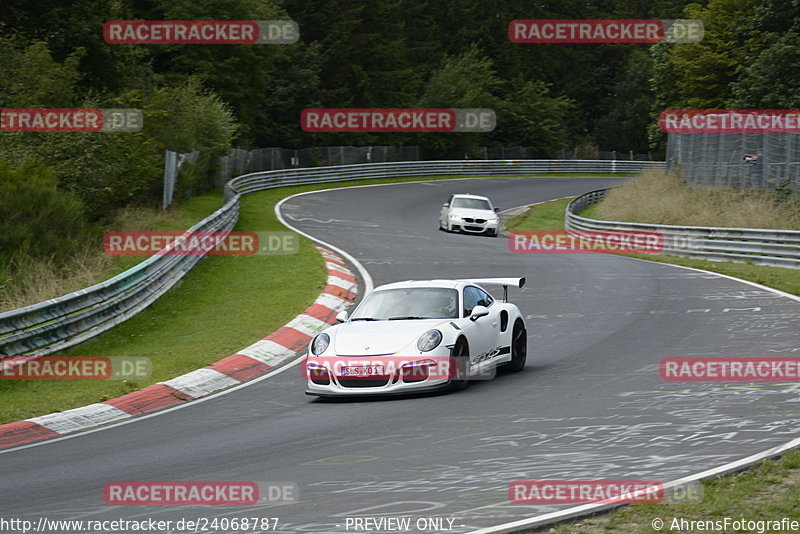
x,y
505,282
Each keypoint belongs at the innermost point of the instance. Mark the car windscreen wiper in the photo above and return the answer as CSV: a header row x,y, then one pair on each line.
x,y
365,319
409,317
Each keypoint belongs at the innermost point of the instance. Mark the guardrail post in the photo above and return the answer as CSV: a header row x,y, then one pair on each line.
x,y
170,175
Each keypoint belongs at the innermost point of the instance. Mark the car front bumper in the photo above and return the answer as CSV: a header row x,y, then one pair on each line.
x,y
476,226
396,381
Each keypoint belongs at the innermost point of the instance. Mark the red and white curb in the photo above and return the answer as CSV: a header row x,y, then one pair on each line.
x,y
267,353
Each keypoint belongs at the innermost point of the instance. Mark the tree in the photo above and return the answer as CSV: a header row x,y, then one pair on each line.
x,y
769,77
625,125
704,72
464,81
529,116
32,78
772,79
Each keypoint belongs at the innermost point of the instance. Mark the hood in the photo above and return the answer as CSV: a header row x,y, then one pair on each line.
x,y
374,338
471,212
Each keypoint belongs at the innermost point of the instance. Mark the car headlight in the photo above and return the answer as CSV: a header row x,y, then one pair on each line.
x,y
429,340
320,343
494,221
455,217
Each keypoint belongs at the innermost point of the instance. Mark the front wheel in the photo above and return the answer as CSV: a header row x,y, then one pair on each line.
x,y
519,347
460,358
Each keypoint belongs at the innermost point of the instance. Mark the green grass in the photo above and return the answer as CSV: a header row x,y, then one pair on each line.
x,y
224,304
768,491
590,212
544,216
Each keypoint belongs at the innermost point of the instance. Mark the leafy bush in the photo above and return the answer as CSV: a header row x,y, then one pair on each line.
x,y
36,219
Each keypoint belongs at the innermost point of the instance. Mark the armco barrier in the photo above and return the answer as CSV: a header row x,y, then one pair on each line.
x,y
777,248
258,181
59,323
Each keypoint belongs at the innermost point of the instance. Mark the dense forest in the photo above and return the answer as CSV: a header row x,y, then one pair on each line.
x,y
381,53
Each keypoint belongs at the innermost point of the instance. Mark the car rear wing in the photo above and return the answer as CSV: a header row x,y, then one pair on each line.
x,y
505,282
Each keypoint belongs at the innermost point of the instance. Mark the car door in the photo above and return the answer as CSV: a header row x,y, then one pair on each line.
x,y
483,332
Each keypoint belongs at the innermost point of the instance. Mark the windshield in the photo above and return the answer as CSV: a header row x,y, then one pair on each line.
x,y
472,203
409,303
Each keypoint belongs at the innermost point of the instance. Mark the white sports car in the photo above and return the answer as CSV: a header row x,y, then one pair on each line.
x,y
418,336
469,213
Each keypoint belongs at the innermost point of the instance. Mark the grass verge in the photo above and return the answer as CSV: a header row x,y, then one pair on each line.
x,y
544,216
769,491
224,304
665,199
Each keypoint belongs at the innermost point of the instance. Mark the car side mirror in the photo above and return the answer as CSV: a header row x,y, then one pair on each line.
x,y
341,316
478,312
497,210
445,205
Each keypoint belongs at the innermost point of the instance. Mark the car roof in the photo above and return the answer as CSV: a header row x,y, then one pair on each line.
x,y
469,195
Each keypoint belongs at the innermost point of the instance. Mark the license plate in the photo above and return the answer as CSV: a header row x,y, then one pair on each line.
x,y
362,370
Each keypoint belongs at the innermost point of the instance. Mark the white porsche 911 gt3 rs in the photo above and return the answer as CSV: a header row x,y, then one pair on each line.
x,y
418,336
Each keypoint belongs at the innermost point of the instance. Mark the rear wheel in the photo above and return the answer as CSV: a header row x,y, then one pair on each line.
x,y
519,347
460,356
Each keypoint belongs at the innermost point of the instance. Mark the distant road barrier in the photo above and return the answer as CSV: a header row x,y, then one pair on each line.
x,y
258,181
65,321
777,248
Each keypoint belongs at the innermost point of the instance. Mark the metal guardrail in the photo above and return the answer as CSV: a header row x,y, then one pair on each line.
x,y
258,181
65,321
776,248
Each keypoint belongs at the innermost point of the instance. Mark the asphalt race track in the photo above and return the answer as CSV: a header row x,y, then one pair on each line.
x,y
589,405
